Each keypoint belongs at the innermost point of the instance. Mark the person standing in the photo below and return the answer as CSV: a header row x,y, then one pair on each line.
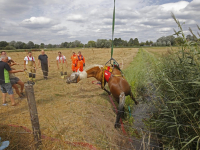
x,y
5,84
61,61
74,59
44,62
81,62
29,64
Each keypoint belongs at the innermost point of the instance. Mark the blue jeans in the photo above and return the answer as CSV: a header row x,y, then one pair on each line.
x,y
7,88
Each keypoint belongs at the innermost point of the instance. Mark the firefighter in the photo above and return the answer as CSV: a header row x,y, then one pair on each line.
x,y
74,59
81,61
61,61
29,64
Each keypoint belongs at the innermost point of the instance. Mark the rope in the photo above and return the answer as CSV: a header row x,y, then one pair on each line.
x,y
54,139
113,28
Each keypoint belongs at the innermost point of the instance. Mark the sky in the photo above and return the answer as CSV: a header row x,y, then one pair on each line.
x,y
57,21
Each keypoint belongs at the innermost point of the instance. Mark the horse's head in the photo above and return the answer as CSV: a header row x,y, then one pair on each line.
x,y
92,71
76,77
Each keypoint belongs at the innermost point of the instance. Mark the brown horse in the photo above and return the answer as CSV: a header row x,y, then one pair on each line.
x,y
118,86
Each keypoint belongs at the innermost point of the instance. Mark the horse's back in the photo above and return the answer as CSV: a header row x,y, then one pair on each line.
x,y
118,85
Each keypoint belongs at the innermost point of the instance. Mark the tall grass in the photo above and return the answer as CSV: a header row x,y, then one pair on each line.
x,y
175,77
179,86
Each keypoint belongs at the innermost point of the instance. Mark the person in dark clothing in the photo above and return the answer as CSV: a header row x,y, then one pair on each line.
x,y
44,61
5,84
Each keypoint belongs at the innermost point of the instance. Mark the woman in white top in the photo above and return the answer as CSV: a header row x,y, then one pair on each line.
x,y
29,64
61,61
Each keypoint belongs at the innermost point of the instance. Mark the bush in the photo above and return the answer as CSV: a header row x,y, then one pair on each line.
x,y
9,48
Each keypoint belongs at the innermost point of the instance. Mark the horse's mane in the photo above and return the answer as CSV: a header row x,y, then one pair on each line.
x,y
92,66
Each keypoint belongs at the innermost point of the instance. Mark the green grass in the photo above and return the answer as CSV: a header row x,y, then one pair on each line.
x,y
176,77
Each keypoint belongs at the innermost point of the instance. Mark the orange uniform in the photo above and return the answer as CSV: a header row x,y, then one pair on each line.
x,y
81,62
74,62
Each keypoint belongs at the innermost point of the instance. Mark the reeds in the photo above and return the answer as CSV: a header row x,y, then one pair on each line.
x,y
179,87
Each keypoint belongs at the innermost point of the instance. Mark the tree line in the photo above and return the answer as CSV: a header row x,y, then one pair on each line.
x,y
100,43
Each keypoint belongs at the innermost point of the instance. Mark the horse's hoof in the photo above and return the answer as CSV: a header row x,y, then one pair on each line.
x,y
117,125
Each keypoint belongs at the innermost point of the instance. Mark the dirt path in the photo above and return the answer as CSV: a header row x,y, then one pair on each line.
x,y
76,112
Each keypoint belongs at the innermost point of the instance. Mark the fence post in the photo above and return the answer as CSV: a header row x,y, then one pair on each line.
x,y
33,114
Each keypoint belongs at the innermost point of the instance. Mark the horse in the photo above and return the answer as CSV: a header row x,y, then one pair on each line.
x,y
118,85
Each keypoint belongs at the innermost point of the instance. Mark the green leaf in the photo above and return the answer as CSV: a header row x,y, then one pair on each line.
x,y
189,142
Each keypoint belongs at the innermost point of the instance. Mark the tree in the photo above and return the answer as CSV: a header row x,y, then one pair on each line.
x,y
19,45
64,44
76,43
159,43
54,46
136,42
168,43
101,43
3,43
107,44
155,44
142,44
37,46
49,46
171,38
25,46
179,41
8,47
91,44
161,39
42,45
130,42
12,43
30,44
147,43
163,43
124,43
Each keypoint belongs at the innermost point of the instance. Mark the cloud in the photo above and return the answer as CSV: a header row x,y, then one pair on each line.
x,y
174,6
76,18
91,20
37,22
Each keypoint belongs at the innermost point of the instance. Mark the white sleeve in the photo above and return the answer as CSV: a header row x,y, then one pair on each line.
x,y
57,58
25,58
33,59
64,58
9,58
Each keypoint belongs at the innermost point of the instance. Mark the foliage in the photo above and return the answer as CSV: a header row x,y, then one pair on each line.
x,y
165,41
3,43
9,47
134,42
179,86
103,43
91,44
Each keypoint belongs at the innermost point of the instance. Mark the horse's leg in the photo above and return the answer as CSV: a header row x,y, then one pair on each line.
x,y
105,89
120,109
133,98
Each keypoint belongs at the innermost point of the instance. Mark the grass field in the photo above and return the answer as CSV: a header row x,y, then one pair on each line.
x,y
76,112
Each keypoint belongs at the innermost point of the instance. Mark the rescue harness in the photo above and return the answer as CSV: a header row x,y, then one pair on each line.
x,y
28,58
80,58
62,59
107,74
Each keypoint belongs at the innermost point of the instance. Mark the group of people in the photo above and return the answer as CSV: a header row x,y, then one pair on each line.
x,y
78,62
9,80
